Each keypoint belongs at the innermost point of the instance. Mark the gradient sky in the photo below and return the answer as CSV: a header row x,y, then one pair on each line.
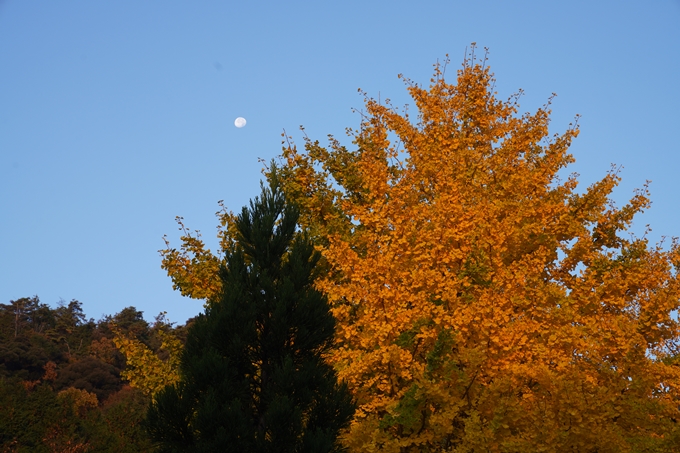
x,y
117,116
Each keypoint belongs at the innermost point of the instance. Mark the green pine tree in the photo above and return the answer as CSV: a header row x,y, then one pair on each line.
x,y
253,375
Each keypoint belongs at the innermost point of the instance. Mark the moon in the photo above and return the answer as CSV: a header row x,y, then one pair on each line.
x,y
240,122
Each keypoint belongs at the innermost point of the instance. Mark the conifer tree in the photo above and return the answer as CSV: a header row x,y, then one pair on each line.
x,y
253,372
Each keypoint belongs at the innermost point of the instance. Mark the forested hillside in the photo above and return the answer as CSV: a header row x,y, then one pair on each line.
x,y
60,378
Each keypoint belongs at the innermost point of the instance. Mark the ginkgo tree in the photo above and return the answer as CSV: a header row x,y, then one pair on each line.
x,y
482,303
144,368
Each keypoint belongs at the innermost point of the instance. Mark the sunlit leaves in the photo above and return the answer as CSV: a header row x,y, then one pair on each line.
x,y
145,370
483,303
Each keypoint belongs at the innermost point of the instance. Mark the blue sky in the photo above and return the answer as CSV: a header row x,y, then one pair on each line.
x,y
115,117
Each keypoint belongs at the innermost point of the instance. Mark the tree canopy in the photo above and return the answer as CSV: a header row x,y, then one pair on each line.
x,y
482,302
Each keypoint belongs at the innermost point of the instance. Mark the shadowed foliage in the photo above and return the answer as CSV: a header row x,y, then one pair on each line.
x,y
253,375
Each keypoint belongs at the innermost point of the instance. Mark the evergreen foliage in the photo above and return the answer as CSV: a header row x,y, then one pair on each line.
x,y
253,372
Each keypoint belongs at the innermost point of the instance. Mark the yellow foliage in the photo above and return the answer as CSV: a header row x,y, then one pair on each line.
x,y
193,268
482,303
145,370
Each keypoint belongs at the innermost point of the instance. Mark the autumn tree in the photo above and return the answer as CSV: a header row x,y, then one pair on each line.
x,y
147,369
253,375
482,303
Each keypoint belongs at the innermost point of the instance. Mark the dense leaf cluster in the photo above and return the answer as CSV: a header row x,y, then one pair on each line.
x,y
482,303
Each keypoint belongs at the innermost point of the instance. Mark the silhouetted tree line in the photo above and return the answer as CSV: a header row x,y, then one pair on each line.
x,y
60,384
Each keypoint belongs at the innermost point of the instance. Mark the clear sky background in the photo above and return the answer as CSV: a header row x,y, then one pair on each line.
x,y
117,116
